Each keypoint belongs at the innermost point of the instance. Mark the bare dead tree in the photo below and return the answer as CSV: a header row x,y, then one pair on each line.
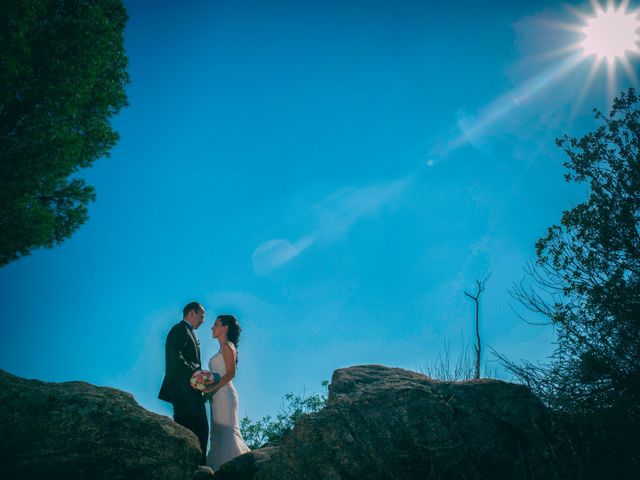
x,y
476,299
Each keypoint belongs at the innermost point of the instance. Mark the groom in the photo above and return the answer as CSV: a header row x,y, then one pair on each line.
x,y
182,358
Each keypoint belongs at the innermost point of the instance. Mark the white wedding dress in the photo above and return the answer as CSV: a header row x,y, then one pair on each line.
x,y
226,440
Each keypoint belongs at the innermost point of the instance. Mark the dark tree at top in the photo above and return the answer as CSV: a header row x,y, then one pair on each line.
x,y
63,70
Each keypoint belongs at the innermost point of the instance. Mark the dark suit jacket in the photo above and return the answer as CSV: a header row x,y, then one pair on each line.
x,y
182,358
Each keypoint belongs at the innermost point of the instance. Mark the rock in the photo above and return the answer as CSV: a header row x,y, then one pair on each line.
x,y
75,430
203,473
388,423
245,466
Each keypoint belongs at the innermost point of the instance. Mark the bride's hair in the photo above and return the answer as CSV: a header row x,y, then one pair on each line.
x,y
233,332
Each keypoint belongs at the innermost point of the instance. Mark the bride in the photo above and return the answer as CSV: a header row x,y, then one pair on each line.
x,y
226,440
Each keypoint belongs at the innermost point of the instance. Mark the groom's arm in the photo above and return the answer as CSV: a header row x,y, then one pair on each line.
x,y
178,345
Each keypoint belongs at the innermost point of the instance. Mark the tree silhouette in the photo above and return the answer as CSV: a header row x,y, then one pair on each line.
x,y
586,276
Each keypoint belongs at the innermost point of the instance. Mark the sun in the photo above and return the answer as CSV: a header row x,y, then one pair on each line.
x,y
611,34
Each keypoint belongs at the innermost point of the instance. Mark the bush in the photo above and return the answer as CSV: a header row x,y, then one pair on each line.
x,y
269,430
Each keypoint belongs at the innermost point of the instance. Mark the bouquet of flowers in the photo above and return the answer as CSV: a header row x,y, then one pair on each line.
x,y
202,379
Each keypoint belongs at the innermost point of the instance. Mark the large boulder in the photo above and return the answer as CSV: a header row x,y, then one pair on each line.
x,y
388,423
75,430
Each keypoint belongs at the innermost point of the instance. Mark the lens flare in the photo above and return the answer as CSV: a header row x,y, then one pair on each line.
x,y
611,34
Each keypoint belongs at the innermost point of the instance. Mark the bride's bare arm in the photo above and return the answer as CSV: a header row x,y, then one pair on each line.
x,y
230,362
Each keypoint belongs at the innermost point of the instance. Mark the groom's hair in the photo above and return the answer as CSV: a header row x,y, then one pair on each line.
x,y
195,306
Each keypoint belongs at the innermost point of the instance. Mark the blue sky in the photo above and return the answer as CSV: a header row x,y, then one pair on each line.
x,y
336,174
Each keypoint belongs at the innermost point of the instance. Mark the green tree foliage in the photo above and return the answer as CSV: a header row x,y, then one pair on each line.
x,y
63,70
588,268
586,281
271,430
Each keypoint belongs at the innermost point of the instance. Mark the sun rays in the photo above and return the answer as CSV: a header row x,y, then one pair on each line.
x,y
607,37
610,34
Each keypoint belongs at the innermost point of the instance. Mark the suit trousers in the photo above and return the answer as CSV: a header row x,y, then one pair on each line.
x,y
194,417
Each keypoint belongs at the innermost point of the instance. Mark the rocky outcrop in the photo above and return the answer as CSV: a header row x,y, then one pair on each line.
x,y
74,430
379,423
388,423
